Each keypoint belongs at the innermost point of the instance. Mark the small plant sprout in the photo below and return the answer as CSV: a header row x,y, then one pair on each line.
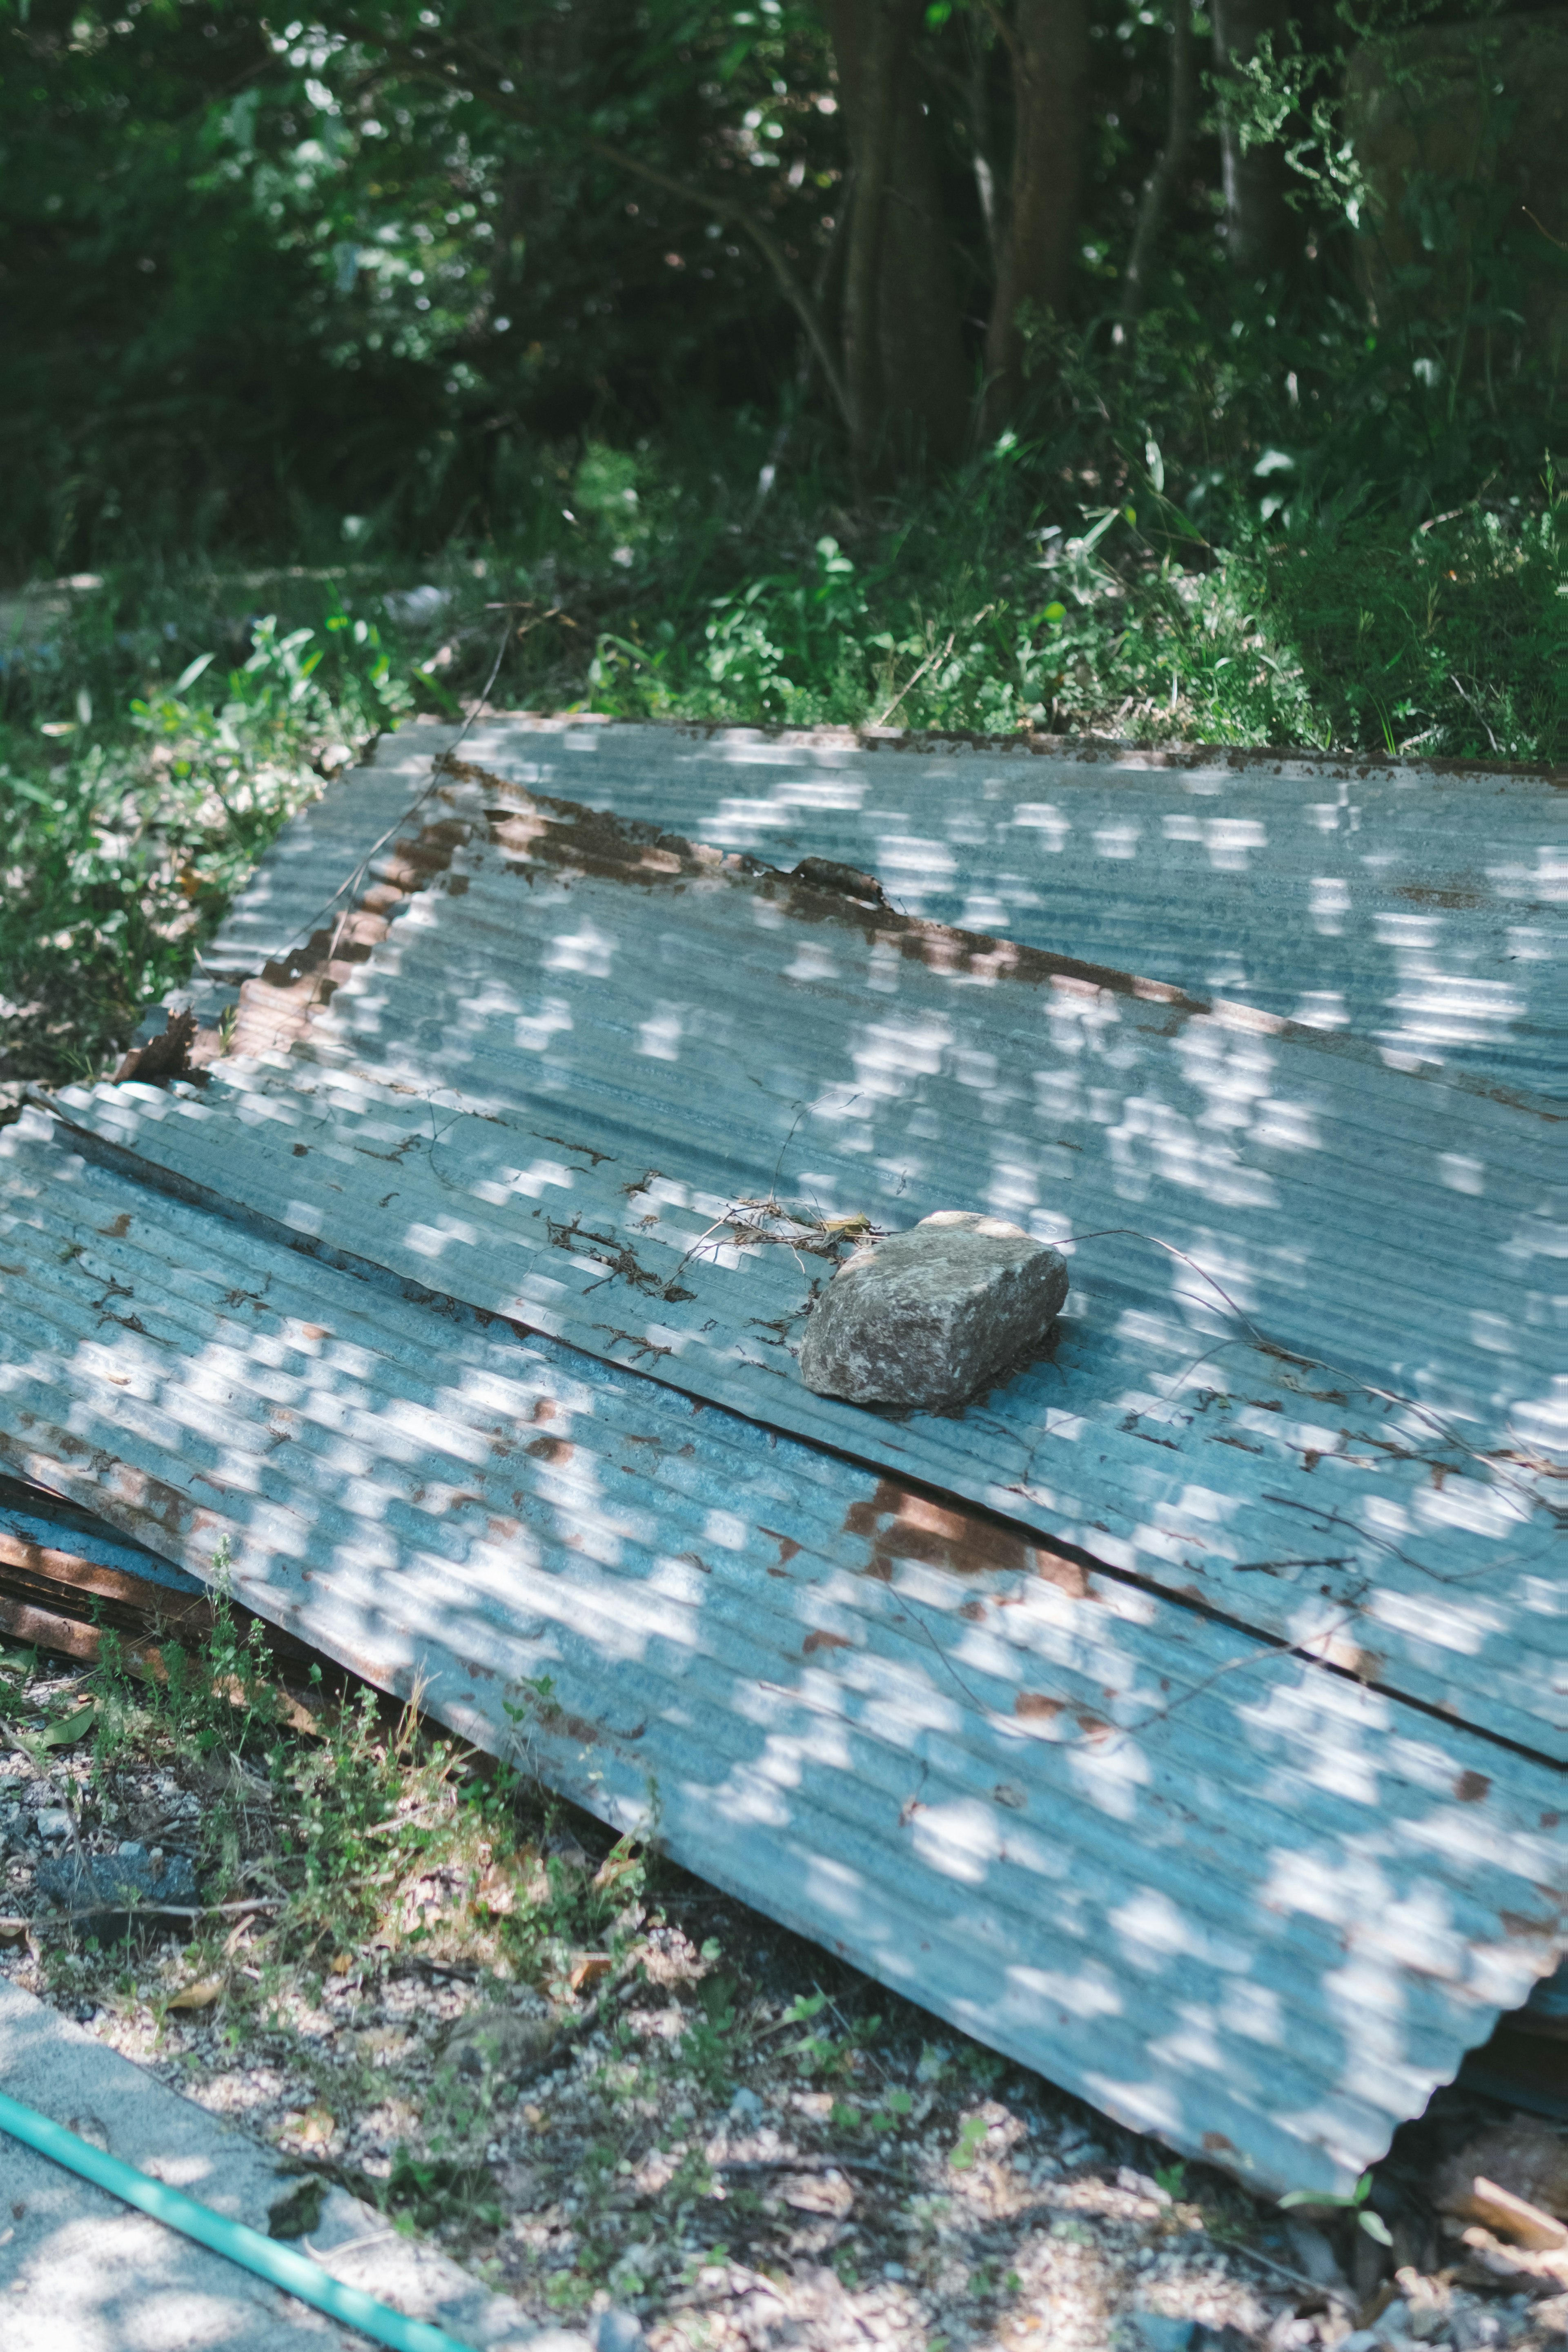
x,y
1356,2203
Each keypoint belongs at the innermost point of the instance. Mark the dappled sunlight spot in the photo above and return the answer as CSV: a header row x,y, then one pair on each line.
x,y
658,1038
1461,1172
1227,840
1119,840
1113,1775
589,951
1150,1139
908,865
888,1055
432,1241
1370,1998
1461,1626
1014,1190
1044,822
1322,1008
958,1837
1494,1334
535,1032
1462,1504
1256,2011
1332,1887
493,1002
812,960
1287,1126
1152,1930
972,1067
1088,1993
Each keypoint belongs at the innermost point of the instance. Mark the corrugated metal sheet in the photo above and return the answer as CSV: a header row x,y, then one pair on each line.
x,y
1311,1370
295,888
1414,906
1228,1895
41,1519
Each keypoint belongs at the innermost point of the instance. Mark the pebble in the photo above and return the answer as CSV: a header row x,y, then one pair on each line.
x,y
615,2331
54,1823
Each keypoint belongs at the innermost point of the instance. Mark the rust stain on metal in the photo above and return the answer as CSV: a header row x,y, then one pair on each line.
x,y
899,1523
565,833
276,1009
1471,1787
539,829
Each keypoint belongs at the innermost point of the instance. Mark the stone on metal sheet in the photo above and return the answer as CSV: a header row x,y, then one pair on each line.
x,y
932,1315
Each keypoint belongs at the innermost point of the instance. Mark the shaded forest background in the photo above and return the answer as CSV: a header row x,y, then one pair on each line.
x,y
1053,364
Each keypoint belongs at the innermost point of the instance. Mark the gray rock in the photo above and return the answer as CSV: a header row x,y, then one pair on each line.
x,y
53,1821
932,1315
494,2040
118,1882
615,2331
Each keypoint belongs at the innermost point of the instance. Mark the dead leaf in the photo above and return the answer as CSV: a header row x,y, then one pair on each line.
x,y
616,1865
341,1963
821,1640
495,1893
589,1968
201,1995
12,1930
818,2192
166,1055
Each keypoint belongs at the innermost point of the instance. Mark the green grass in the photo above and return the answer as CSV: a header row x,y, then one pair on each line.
x,y
157,731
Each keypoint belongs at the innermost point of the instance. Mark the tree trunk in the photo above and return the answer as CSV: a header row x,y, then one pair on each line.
x,y
903,353
1160,184
1047,41
1258,225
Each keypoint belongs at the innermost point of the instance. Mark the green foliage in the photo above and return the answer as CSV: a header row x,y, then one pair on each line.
x,y
1356,2202
708,2045
424,2191
124,833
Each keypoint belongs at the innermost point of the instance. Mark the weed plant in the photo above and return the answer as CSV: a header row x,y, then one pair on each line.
x,y
157,730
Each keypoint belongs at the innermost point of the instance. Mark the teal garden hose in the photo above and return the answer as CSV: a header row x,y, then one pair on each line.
x,y
278,2265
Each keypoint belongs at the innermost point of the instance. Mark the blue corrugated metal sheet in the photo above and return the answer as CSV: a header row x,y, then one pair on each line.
x,y
40,1518
1228,1895
1418,909
1310,1372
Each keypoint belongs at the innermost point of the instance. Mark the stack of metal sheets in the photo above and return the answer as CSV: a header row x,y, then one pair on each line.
x,y
1186,1717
